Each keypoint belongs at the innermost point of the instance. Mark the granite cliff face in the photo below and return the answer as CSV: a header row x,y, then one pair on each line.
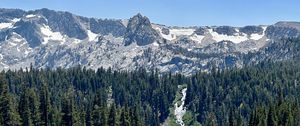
x,y
51,39
140,31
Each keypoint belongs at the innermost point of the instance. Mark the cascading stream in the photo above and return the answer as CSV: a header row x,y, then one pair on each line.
x,y
180,110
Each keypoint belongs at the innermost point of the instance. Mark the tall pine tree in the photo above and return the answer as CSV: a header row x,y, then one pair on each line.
x,y
8,114
45,105
70,115
24,109
112,121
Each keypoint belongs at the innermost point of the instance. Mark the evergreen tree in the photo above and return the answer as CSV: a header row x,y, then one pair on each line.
x,y
112,121
70,115
125,117
55,117
142,98
149,116
24,109
34,108
135,118
8,113
290,120
99,109
231,118
272,119
88,118
45,105
240,121
99,116
211,120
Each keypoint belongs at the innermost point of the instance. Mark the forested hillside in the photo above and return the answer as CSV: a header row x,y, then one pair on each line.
x,y
78,97
229,97
264,94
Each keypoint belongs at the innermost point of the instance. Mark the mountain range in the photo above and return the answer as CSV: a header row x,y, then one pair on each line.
x,y
46,38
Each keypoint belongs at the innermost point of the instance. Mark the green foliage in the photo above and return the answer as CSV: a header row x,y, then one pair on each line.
x,y
29,108
211,120
189,119
79,96
242,90
8,114
45,105
264,94
70,115
125,119
283,114
112,118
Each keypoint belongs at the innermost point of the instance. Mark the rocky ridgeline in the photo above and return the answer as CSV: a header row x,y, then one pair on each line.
x,y
51,39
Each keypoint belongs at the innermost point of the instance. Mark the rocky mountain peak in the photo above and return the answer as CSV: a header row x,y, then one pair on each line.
x,y
283,29
289,24
139,30
52,39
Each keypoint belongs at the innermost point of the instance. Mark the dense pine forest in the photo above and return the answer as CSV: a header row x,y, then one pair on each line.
x,y
251,96
78,97
264,94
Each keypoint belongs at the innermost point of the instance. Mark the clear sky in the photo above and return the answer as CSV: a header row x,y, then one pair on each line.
x,y
175,12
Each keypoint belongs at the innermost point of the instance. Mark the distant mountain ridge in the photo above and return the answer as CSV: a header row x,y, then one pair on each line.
x,y
51,39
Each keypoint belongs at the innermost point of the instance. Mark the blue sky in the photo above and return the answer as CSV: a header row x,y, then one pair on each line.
x,y
175,12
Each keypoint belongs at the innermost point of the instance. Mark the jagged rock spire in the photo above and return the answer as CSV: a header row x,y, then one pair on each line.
x,y
139,30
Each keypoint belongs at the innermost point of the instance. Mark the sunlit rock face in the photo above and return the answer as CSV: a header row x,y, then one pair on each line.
x,y
51,39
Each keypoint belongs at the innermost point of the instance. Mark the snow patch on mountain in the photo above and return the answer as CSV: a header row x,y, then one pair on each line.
x,y
180,32
169,37
237,38
125,22
16,39
16,20
75,41
10,24
197,38
5,25
50,35
92,36
174,33
13,44
155,44
27,52
258,36
31,16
